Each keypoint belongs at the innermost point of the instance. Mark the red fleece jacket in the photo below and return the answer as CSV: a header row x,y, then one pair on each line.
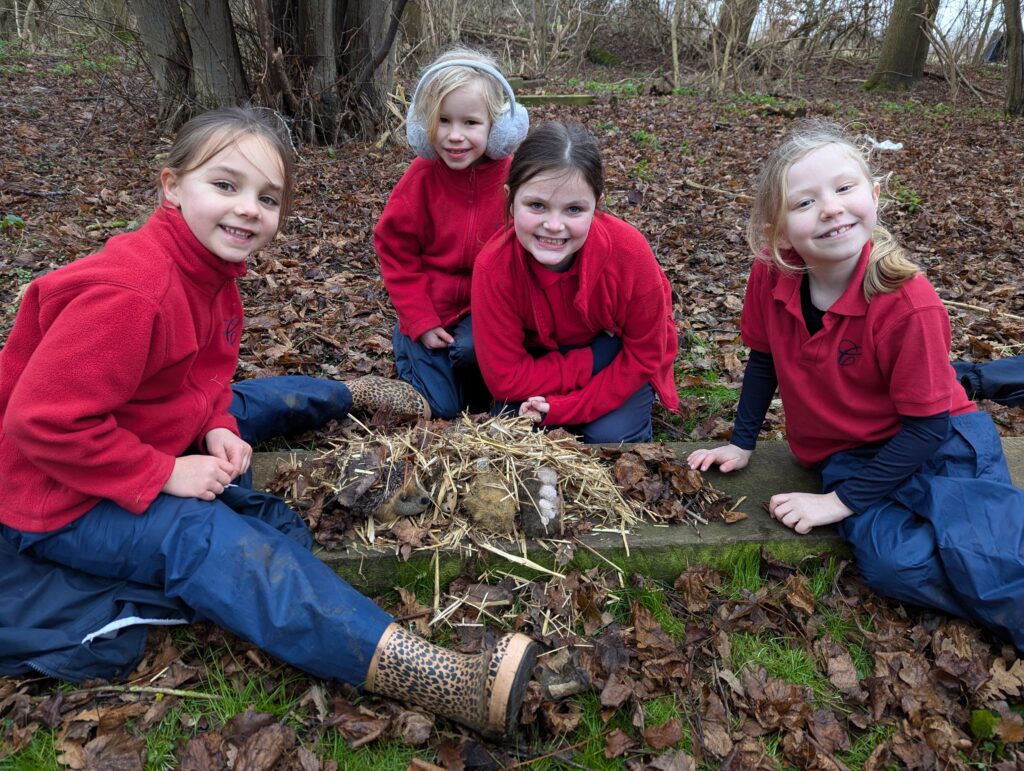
x,y
116,364
622,290
434,224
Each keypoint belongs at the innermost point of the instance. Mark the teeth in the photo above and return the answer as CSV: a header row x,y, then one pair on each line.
x,y
237,233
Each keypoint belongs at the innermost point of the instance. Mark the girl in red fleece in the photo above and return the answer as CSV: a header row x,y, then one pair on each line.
x,y
573,314
118,451
464,124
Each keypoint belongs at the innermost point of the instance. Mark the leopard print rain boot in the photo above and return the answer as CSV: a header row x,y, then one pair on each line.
x,y
481,691
372,393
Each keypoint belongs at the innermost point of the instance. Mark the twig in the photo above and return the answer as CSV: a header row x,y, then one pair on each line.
x,y
989,311
742,197
150,689
37,193
575,746
964,219
520,560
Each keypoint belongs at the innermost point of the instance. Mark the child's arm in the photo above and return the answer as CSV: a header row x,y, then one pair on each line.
x,y
91,359
398,241
499,332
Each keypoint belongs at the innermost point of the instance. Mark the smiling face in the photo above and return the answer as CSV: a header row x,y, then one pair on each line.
x,y
552,214
831,207
463,126
232,202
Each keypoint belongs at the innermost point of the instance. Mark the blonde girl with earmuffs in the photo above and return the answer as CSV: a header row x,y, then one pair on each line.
x,y
464,125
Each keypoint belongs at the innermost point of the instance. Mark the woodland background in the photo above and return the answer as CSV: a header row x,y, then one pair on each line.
x,y
754,664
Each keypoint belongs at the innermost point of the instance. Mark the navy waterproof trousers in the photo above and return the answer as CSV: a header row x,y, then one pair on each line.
x,y
449,378
952,536
242,561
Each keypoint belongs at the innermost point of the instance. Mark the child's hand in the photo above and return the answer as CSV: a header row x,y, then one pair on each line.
x,y
534,408
436,338
198,476
728,458
226,445
803,511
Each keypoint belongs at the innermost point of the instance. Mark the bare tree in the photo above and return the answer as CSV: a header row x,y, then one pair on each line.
x,y
1014,57
325,63
905,45
164,36
217,71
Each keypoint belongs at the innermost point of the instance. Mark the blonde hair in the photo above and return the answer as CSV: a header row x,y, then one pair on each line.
x,y
889,265
427,109
206,135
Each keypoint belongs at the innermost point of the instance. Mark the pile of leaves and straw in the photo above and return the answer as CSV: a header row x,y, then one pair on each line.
x,y
347,492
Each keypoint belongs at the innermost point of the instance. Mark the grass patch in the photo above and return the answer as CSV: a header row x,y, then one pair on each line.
x,y
652,597
39,755
904,195
791,664
743,573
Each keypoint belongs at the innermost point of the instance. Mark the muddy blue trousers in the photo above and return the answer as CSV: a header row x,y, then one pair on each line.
x,y
952,536
242,561
449,378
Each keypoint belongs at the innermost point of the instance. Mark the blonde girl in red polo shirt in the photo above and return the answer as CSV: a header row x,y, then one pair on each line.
x,y
572,312
464,124
858,343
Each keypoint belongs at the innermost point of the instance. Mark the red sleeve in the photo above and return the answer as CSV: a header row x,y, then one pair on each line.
x,y
501,313
59,414
398,240
644,312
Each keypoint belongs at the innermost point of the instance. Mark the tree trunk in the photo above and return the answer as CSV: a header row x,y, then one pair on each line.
x,y
905,46
1014,57
735,20
216,63
363,26
316,45
162,30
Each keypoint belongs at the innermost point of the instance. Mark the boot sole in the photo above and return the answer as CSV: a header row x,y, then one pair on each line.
x,y
512,678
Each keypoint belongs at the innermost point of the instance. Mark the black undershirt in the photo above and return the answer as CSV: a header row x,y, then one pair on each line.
x,y
896,460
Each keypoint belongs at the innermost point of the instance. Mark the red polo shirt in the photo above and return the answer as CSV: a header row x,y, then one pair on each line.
x,y
847,385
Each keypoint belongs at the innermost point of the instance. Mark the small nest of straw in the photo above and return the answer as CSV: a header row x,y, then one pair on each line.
x,y
345,493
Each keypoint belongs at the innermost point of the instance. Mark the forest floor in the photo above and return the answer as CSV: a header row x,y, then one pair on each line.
x,y
757,666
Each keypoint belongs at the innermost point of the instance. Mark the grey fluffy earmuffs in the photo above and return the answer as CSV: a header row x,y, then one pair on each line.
x,y
507,131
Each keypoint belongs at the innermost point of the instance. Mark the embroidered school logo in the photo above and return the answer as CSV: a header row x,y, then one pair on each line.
x,y
849,352
233,331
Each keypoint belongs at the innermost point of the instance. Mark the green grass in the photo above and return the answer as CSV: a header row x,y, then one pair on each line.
x,y
780,659
652,597
645,138
39,755
376,756
905,196
743,574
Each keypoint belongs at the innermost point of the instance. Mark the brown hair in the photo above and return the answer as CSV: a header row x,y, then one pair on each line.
x,y
553,146
206,135
889,264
